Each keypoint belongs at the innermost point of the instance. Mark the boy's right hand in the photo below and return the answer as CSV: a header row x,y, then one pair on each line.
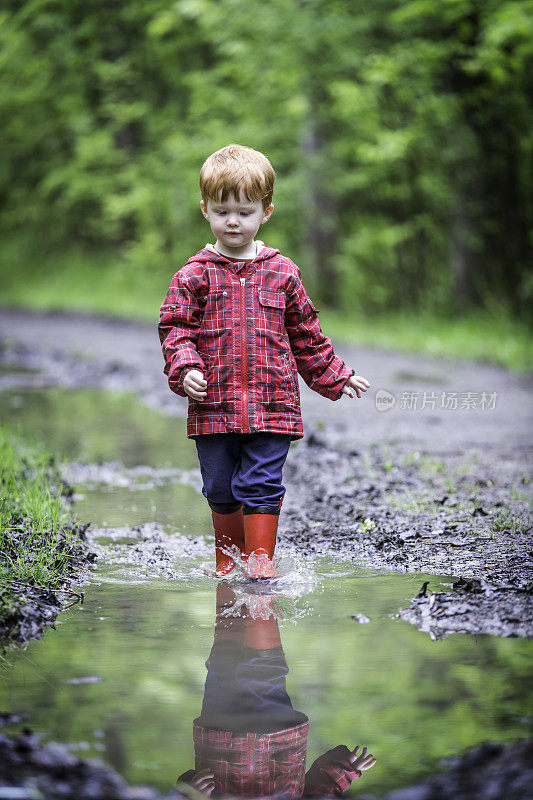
x,y
195,385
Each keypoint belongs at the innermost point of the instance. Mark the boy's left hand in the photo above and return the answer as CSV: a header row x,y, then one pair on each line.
x,y
356,382
363,761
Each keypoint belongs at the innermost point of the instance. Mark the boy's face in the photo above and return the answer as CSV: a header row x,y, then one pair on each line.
x,y
235,222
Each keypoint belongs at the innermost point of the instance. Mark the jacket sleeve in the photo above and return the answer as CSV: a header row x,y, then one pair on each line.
x,y
321,369
331,774
179,322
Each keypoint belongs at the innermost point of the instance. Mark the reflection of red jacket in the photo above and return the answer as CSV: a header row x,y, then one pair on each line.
x,y
249,329
267,764
253,764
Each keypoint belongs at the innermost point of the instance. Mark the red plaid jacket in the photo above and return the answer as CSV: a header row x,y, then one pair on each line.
x,y
249,329
269,764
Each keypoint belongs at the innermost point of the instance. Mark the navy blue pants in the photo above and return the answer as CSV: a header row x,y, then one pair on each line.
x,y
242,468
245,690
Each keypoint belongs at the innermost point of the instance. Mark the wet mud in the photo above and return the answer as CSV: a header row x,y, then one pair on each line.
x,y
115,475
473,607
489,772
458,515
36,771
148,550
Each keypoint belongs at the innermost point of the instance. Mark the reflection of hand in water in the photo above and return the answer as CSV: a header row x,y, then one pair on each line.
x,y
249,740
332,773
203,780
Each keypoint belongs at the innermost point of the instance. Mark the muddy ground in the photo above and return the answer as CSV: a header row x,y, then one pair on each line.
x,y
33,607
30,770
422,486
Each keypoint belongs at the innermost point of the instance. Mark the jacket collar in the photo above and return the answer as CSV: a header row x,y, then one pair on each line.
x,y
208,253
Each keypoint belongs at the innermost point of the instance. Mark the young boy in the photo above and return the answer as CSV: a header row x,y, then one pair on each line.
x,y
236,327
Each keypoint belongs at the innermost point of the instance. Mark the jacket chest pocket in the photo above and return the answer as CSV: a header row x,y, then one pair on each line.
x,y
271,311
214,320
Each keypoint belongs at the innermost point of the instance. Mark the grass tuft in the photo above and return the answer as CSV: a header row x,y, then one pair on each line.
x,y
36,539
509,523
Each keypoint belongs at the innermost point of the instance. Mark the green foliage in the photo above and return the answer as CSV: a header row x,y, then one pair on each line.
x,y
401,133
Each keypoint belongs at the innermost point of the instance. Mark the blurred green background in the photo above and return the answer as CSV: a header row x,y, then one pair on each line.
x,y
401,132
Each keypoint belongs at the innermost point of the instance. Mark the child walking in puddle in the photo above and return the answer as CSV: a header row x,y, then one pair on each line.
x,y
236,327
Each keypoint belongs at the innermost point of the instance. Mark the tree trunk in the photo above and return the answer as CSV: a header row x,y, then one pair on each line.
x,y
462,265
319,206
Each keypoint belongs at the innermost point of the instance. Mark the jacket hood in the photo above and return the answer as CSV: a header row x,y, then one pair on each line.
x,y
208,253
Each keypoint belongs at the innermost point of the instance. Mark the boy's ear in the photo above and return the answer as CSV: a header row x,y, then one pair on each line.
x,y
204,210
268,212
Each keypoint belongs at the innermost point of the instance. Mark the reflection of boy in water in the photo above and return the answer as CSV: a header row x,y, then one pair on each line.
x,y
249,741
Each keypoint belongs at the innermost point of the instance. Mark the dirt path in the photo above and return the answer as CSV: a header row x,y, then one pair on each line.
x,y
439,483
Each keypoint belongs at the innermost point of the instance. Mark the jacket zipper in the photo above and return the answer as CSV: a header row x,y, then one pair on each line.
x,y
244,357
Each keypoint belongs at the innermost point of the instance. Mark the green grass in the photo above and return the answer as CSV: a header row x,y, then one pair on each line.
x,y
507,522
490,336
431,465
35,537
78,281
525,497
108,284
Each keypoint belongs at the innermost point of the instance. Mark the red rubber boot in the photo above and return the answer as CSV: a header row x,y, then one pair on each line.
x,y
260,536
262,631
229,537
228,625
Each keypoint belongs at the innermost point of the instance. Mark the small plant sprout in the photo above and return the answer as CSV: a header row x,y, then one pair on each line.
x,y
367,526
410,459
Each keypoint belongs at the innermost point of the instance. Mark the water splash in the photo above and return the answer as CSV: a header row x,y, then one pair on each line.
x,y
148,554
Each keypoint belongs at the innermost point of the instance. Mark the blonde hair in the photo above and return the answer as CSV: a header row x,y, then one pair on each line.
x,y
236,168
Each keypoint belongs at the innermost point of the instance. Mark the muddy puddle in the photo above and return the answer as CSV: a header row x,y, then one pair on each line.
x,y
123,678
